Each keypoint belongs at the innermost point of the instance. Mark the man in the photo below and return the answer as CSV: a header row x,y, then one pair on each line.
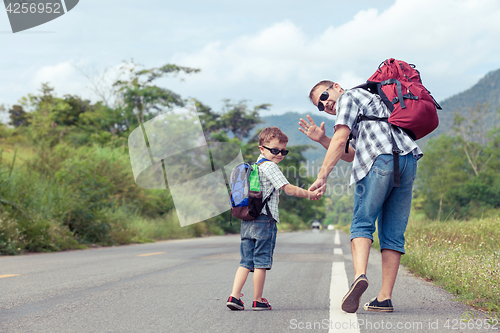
x,y
375,197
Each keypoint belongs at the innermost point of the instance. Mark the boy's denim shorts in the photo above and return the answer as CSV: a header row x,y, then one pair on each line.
x,y
258,239
376,199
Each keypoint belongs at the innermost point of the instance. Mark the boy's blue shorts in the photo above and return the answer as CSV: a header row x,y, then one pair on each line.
x,y
258,239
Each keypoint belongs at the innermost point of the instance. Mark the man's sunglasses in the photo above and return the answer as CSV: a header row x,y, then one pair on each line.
x,y
324,96
276,151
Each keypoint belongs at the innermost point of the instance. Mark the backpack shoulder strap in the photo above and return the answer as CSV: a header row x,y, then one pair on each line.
x,y
359,119
261,161
265,201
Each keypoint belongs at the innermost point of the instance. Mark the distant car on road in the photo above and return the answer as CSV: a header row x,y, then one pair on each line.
x,y
316,225
331,227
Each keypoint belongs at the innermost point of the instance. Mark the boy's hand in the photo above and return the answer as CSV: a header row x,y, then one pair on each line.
x,y
318,193
314,132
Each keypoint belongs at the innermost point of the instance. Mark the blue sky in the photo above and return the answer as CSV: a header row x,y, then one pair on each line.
x,y
260,51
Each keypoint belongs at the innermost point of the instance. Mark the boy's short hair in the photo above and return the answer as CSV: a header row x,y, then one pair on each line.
x,y
270,133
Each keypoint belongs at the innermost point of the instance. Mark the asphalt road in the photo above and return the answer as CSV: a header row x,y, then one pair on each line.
x,y
183,285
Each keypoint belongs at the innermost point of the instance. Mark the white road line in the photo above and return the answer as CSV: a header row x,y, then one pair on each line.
x,y
340,321
336,240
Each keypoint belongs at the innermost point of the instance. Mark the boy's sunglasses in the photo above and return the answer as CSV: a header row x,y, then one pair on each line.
x,y
324,96
276,151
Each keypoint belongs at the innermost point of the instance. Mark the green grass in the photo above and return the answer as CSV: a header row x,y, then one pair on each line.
x,y
22,154
461,256
161,228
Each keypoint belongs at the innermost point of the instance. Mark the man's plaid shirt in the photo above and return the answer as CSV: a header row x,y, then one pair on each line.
x,y
370,138
271,178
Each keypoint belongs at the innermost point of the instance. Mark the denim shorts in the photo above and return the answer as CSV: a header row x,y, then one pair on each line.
x,y
376,198
258,239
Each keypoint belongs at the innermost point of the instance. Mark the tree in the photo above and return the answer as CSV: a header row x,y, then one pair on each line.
x,y
18,117
473,138
239,120
141,99
236,119
459,175
443,166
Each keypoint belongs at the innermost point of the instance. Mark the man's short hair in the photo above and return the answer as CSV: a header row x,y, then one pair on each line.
x,y
270,133
321,83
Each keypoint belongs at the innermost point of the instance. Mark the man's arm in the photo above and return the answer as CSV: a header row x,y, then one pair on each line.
x,y
317,134
336,150
348,157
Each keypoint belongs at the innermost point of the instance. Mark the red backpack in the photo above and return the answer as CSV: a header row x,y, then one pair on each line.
x,y
412,106
413,109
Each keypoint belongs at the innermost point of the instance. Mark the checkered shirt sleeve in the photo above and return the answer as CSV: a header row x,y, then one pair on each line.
x,y
271,178
370,138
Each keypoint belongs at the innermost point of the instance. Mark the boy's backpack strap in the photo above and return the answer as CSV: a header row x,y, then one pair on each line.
x,y
259,162
266,200
266,203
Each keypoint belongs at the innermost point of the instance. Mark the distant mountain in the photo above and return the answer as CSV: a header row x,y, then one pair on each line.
x,y
487,90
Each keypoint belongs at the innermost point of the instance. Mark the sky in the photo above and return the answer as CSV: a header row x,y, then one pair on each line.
x,y
259,51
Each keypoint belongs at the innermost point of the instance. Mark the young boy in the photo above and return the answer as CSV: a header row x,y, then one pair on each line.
x,y
258,237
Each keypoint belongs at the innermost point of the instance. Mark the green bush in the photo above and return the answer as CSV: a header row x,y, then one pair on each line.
x,y
99,179
89,191
18,236
292,222
9,236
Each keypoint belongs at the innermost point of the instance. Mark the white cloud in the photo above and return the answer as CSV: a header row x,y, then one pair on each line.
x,y
446,39
81,79
452,42
63,77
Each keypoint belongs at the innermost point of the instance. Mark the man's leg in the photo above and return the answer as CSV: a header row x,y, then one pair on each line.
x,y
390,266
392,226
369,196
360,248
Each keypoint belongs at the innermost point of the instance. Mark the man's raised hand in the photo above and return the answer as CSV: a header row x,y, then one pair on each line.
x,y
310,129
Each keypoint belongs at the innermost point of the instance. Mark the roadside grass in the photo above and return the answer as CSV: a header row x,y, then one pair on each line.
x,y
162,228
21,153
461,256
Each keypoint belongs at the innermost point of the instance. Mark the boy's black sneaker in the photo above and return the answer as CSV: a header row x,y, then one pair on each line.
x,y
350,302
375,305
235,304
264,305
